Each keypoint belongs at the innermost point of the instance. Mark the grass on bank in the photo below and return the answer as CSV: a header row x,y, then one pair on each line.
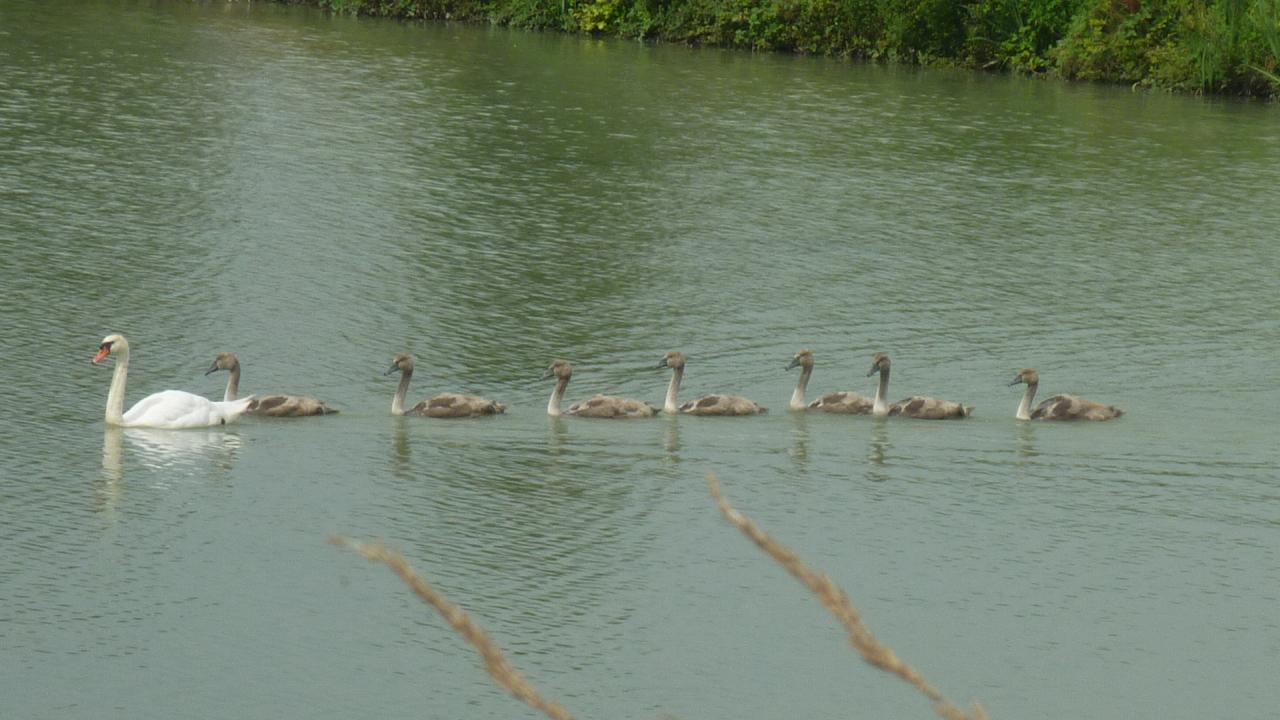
x,y
1199,46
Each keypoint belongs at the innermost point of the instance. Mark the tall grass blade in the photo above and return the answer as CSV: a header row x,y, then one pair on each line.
x,y
833,598
495,663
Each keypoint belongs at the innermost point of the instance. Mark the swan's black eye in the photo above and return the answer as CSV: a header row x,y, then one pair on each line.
x,y
105,346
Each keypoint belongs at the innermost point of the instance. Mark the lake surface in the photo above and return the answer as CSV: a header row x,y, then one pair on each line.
x,y
318,194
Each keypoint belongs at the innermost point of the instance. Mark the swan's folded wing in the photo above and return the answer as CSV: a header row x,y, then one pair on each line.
x,y
168,408
289,406
612,406
843,402
722,405
929,408
1070,407
451,405
175,409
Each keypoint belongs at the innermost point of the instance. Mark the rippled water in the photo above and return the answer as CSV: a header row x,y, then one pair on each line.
x,y
318,194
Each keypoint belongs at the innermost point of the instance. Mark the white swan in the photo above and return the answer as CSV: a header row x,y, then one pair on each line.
x,y
707,404
266,405
446,405
172,409
1059,407
916,406
600,406
836,402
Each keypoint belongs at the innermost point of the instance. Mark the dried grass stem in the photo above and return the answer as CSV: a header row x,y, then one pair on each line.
x,y
833,598
495,663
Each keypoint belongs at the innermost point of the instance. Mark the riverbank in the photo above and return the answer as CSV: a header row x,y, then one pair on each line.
x,y
1224,47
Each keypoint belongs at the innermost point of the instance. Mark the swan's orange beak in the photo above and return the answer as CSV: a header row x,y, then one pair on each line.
x,y
103,352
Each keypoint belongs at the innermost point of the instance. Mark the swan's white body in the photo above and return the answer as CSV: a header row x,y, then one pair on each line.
x,y
170,409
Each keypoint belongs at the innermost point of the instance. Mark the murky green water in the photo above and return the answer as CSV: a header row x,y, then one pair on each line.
x,y
319,194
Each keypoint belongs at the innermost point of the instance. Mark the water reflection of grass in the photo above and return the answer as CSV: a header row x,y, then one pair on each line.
x,y
827,592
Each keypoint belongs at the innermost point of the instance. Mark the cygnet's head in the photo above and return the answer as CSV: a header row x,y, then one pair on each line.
x,y
400,363
803,359
224,361
560,369
1028,376
879,363
673,360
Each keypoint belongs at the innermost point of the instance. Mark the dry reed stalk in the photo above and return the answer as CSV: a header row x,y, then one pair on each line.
x,y
495,663
833,598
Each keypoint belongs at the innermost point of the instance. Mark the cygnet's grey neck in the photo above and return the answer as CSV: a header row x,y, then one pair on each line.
x,y
233,383
397,402
797,397
1024,407
881,406
553,405
669,405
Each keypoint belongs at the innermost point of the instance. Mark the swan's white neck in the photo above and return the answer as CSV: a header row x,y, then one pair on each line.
x,y
797,397
233,383
881,406
115,396
553,405
397,402
669,405
1024,407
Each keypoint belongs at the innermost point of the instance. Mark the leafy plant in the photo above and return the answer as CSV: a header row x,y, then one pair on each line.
x,y
1195,45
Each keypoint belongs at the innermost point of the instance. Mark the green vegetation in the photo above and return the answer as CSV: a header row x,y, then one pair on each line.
x,y
1203,46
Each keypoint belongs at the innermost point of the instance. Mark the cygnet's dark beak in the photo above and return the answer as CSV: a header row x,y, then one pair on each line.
x,y
662,363
874,369
794,362
212,368
1016,380
391,369
547,373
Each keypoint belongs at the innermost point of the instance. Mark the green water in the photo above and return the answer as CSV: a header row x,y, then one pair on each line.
x,y
319,194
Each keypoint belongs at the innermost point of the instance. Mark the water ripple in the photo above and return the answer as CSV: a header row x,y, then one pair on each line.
x,y
319,193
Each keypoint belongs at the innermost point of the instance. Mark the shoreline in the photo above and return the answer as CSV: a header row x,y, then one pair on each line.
x,y
1226,48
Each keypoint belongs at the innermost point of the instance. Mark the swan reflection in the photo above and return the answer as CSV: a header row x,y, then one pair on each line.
x,y
112,455
167,450
1027,441
185,449
878,450
671,438
799,438
401,460
108,495
557,433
